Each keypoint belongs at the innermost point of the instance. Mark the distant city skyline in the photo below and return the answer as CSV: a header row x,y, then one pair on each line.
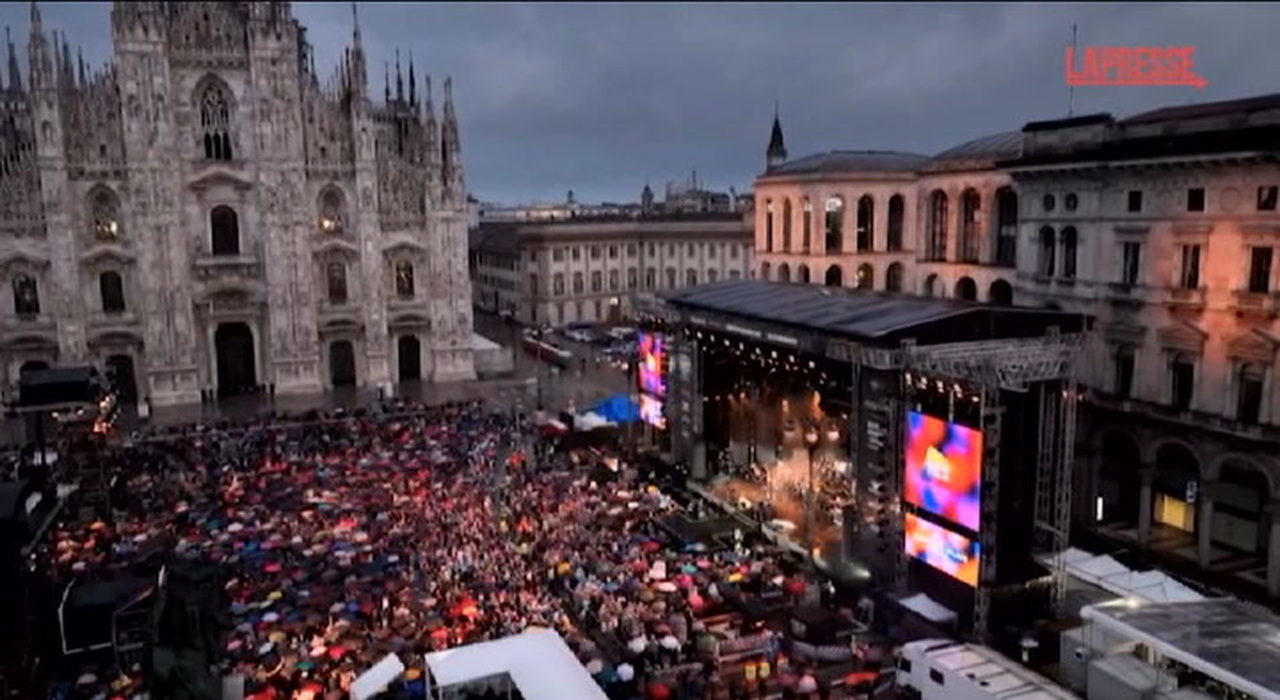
x,y
599,98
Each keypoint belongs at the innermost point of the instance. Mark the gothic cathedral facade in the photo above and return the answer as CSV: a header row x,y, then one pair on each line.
x,y
205,214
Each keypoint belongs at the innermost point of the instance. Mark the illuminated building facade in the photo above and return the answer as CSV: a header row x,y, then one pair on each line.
x,y
1164,227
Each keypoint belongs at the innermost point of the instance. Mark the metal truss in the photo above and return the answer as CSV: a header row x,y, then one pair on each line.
x,y
1013,364
991,420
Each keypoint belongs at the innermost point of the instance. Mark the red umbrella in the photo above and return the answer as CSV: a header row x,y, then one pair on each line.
x,y
658,691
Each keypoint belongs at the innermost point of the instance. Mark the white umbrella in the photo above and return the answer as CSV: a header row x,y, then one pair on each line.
x,y
637,645
595,666
669,642
590,421
87,679
626,673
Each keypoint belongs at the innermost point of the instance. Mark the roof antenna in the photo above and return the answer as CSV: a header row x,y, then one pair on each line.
x,y
1071,88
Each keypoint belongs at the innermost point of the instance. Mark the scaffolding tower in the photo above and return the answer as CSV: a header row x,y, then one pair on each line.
x,y
1047,365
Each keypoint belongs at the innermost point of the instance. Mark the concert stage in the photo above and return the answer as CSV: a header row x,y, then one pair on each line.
x,y
925,443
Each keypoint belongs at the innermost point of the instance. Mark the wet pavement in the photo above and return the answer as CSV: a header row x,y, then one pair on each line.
x,y
589,378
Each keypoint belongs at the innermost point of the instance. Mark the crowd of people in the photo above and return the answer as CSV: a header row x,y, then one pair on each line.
x,y
406,530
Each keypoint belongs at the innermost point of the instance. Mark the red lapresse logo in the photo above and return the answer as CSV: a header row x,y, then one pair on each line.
x,y
1127,65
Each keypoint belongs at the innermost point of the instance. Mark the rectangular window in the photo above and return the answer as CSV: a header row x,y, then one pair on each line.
x,y
1195,199
1267,197
1123,361
1189,276
557,254
1130,262
576,253
1249,386
1260,270
1182,380
1135,201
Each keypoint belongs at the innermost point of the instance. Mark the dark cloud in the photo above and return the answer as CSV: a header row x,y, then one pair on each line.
x,y
598,97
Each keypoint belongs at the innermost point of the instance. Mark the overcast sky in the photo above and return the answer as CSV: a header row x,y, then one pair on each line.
x,y
597,98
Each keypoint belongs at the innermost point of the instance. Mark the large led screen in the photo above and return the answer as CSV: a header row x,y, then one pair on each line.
x,y
944,469
653,360
651,412
949,552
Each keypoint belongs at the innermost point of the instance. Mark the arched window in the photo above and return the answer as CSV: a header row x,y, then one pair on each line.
x,y
806,225
896,216
834,224
1070,241
966,289
1000,293
1006,227
336,281
331,219
557,284
104,212
786,225
865,223
834,276
111,290
970,238
579,283
1182,381
404,279
784,272
26,296
802,274
691,277
215,123
764,270
931,286
671,278
936,247
224,227
712,276
866,277
1250,382
1048,253
768,226
893,276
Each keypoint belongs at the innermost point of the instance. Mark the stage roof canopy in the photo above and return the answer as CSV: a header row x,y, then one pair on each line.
x,y
1223,638
876,317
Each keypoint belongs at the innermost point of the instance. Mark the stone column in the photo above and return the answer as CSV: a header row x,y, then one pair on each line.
x,y
1204,521
1148,475
1273,549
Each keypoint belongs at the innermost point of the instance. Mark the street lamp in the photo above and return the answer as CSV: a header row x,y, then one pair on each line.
x,y
811,442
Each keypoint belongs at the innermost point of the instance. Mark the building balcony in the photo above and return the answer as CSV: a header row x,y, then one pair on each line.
x,y
1256,303
1123,293
246,265
115,319
28,323
328,312
1190,419
1184,299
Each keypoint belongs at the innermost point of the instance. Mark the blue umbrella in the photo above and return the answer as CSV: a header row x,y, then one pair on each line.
x,y
619,408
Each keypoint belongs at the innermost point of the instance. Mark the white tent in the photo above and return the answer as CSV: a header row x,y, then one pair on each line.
x,y
538,662
590,421
377,678
1110,575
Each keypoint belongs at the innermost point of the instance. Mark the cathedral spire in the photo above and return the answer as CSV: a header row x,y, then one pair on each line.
x,y
80,65
413,84
776,154
15,73
399,79
37,26
386,82
355,24
38,60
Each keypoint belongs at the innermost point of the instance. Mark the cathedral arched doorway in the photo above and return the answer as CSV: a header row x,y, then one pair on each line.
x,y
409,350
237,361
342,363
123,379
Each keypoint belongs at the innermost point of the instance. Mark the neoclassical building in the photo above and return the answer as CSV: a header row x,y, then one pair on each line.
x,y
590,270
1162,226
206,213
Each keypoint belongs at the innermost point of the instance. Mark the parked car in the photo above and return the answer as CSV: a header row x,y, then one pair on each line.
x,y
580,335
